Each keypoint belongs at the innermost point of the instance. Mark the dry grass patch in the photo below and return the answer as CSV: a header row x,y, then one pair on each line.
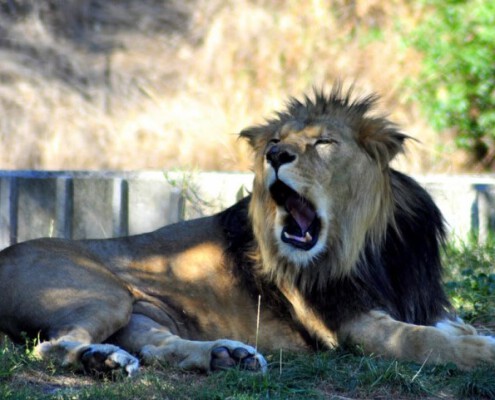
x,y
134,85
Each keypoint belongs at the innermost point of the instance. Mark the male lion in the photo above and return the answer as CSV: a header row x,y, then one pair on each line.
x,y
338,246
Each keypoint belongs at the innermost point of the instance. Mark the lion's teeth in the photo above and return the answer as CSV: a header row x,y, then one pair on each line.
x,y
307,237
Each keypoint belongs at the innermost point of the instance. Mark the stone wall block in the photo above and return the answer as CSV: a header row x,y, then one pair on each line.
x,y
36,208
153,203
92,208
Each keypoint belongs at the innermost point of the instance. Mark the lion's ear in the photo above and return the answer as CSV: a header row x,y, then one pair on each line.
x,y
254,135
381,140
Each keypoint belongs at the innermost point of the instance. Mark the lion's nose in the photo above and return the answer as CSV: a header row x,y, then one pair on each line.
x,y
278,156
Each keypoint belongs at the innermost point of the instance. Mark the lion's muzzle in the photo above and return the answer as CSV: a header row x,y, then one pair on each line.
x,y
279,155
302,225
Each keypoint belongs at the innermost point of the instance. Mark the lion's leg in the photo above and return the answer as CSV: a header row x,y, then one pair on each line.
x,y
378,333
156,342
456,327
77,348
75,333
58,289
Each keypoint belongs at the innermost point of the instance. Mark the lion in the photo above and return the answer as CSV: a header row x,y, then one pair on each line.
x,y
332,247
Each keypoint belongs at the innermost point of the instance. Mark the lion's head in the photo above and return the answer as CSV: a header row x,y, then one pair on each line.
x,y
322,185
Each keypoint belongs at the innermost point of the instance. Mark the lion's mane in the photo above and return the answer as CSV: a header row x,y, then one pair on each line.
x,y
397,265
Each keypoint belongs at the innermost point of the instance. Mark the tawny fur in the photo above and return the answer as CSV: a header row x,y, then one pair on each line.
x,y
338,246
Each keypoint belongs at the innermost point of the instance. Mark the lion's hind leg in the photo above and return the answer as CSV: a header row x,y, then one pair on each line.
x,y
77,339
77,326
156,342
91,357
59,290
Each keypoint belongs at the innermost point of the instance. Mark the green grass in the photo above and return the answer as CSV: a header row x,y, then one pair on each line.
x,y
333,374
323,375
470,281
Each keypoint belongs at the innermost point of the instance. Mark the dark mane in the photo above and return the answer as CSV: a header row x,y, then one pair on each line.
x,y
410,259
403,278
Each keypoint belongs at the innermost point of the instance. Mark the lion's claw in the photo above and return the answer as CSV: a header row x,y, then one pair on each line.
x,y
106,358
240,353
251,363
222,358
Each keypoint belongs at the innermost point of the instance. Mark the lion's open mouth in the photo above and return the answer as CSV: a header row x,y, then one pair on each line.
x,y
302,225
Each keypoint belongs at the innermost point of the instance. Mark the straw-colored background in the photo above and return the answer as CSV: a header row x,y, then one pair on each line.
x,y
123,84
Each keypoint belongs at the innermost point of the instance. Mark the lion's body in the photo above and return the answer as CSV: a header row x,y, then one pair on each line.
x,y
332,246
183,272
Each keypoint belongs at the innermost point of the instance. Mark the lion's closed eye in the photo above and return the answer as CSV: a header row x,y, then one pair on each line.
x,y
325,141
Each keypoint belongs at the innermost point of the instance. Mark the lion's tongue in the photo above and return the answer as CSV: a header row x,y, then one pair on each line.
x,y
301,212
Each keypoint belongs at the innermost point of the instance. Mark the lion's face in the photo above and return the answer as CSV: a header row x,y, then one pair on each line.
x,y
309,174
320,185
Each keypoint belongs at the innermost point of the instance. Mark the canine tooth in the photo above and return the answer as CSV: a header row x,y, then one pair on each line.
x,y
307,237
293,237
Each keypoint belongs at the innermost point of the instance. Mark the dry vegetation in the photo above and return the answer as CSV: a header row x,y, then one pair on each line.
x,y
122,84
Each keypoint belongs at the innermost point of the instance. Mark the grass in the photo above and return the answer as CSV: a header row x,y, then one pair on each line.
x,y
470,281
323,375
337,374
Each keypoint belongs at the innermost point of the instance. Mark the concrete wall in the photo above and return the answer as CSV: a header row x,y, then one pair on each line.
x,y
106,204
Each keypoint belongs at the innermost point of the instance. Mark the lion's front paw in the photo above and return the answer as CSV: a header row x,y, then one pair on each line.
x,y
473,350
233,354
104,358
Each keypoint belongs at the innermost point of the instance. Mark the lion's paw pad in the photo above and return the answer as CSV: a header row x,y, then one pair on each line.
x,y
107,358
222,358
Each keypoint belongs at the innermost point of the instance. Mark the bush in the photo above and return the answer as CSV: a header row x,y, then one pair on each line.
x,y
457,83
